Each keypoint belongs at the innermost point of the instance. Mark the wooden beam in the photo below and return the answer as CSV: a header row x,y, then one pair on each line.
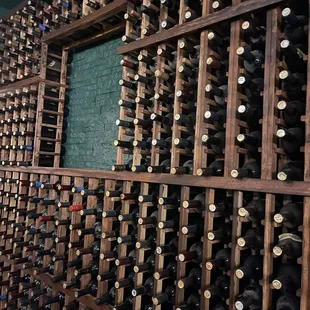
x,y
103,35
20,84
98,16
254,185
200,23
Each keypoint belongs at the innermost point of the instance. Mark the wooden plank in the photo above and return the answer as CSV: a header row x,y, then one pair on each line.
x,y
305,275
182,245
97,37
255,185
231,156
100,15
19,84
198,24
207,248
105,246
268,256
269,157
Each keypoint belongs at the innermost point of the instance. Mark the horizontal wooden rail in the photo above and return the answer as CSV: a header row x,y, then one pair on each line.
x,y
100,15
200,23
20,84
30,81
102,35
256,185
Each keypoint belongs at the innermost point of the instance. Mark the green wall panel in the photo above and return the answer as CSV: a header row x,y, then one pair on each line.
x,y
93,107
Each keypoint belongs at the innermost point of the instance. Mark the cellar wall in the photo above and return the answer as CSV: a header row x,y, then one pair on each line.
x,y
94,93
2,10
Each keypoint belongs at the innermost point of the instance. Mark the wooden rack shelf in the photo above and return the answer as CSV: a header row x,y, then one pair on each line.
x,y
107,20
262,186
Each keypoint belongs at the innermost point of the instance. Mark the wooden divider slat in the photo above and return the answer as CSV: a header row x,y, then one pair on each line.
x,y
122,248
182,244
107,225
160,240
207,248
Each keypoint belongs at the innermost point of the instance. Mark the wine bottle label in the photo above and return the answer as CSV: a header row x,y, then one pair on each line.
x,y
290,236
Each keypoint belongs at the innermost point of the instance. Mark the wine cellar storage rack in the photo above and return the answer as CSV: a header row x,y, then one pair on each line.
x,y
47,203
207,204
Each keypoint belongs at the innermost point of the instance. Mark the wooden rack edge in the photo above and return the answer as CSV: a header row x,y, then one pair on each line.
x,y
255,185
197,24
26,82
99,15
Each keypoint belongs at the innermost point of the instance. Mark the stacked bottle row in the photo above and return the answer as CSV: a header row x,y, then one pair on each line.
x,y
174,101
137,245
18,113
19,121
20,47
291,93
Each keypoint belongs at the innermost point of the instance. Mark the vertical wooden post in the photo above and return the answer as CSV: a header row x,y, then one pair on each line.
x,y
305,275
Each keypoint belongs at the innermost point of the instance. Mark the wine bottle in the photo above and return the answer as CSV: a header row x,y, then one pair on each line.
x,y
218,119
216,142
292,83
147,266
292,139
107,298
290,215
253,239
222,233
251,169
290,245
168,296
291,112
219,93
91,289
295,24
197,202
221,260
216,168
252,141
252,268
288,301
252,60
251,297
194,254
292,171
147,288
168,272
220,288
171,247
254,210
294,56
288,278
192,303
193,279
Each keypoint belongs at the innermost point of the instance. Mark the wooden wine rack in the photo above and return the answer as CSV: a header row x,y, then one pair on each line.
x,y
110,180
185,186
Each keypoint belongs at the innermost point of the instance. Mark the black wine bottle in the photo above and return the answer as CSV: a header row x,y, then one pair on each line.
x,y
252,268
289,245
288,278
290,215
292,171
251,298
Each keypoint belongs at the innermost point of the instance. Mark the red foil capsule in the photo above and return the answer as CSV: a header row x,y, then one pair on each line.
x,y
75,208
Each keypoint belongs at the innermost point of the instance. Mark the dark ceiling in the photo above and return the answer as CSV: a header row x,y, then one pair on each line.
x,y
9,4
